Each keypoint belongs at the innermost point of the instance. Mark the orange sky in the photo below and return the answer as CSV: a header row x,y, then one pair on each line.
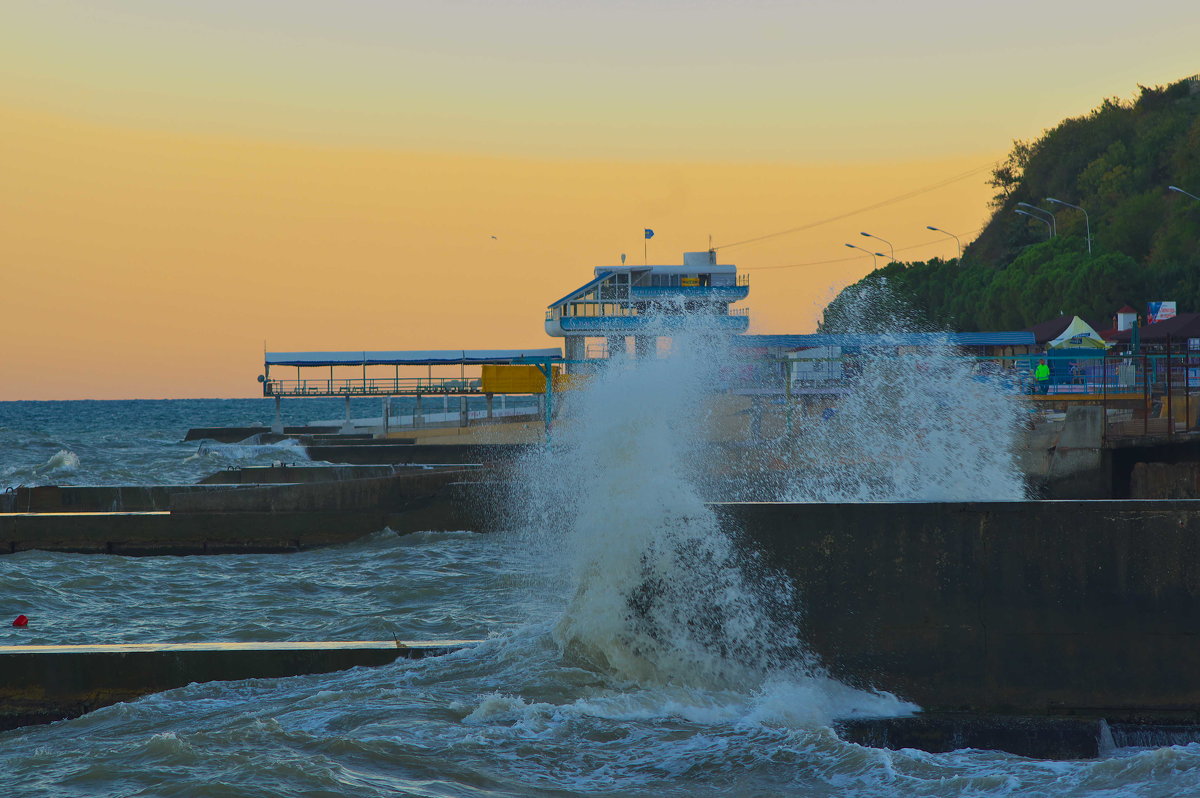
x,y
151,264
169,202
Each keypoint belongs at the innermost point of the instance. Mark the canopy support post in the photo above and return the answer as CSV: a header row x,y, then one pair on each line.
x,y
787,376
548,396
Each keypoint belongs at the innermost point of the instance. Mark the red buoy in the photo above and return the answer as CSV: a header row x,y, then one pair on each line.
x,y
21,621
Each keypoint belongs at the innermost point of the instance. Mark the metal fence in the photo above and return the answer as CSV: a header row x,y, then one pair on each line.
x,y
1143,394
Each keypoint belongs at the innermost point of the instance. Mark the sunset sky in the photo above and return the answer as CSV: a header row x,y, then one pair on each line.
x,y
182,182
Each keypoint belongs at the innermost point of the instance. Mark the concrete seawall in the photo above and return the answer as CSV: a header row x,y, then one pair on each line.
x,y
1020,608
41,684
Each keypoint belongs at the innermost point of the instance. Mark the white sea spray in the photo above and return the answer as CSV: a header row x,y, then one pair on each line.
x,y
64,460
925,423
654,589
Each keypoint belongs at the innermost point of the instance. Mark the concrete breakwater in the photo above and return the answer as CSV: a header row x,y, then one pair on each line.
x,y
1072,458
284,473
42,684
247,518
389,452
1084,608
1079,609
238,434
1028,608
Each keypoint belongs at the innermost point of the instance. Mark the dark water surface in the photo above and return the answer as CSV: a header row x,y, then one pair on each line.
x,y
517,715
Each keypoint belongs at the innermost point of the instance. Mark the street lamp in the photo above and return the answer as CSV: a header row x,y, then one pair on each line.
x,y
1087,222
1038,218
884,240
947,232
1181,191
874,263
1036,209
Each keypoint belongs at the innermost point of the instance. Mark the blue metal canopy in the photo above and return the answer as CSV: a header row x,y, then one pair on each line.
x,y
429,357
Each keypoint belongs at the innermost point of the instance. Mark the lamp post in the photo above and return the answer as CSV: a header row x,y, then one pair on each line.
x,y
1086,221
874,263
947,232
891,249
1038,218
1181,191
1036,209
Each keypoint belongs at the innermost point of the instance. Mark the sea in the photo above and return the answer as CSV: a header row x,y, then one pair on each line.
x,y
569,693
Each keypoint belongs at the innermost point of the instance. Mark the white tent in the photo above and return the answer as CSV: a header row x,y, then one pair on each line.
x,y
1078,335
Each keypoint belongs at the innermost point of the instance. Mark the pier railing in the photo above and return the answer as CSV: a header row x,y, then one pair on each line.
x,y
1142,394
387,386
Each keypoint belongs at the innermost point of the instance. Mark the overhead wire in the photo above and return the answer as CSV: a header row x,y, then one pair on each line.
x,y
854,258
881,204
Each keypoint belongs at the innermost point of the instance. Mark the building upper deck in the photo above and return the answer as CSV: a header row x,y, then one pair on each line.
x,y
622,299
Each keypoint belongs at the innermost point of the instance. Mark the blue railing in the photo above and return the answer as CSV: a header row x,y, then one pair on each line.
x,y
381,386
647,323
720,293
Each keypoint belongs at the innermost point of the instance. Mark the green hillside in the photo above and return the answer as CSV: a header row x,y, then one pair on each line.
x,y
1116,162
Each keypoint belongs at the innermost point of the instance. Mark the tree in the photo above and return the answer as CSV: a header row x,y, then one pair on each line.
x,y
1116,162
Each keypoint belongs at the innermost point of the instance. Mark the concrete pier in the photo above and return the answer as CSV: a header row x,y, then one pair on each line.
x,y
42,684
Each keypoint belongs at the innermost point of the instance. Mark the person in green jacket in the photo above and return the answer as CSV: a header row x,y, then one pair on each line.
x,y
1041,376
